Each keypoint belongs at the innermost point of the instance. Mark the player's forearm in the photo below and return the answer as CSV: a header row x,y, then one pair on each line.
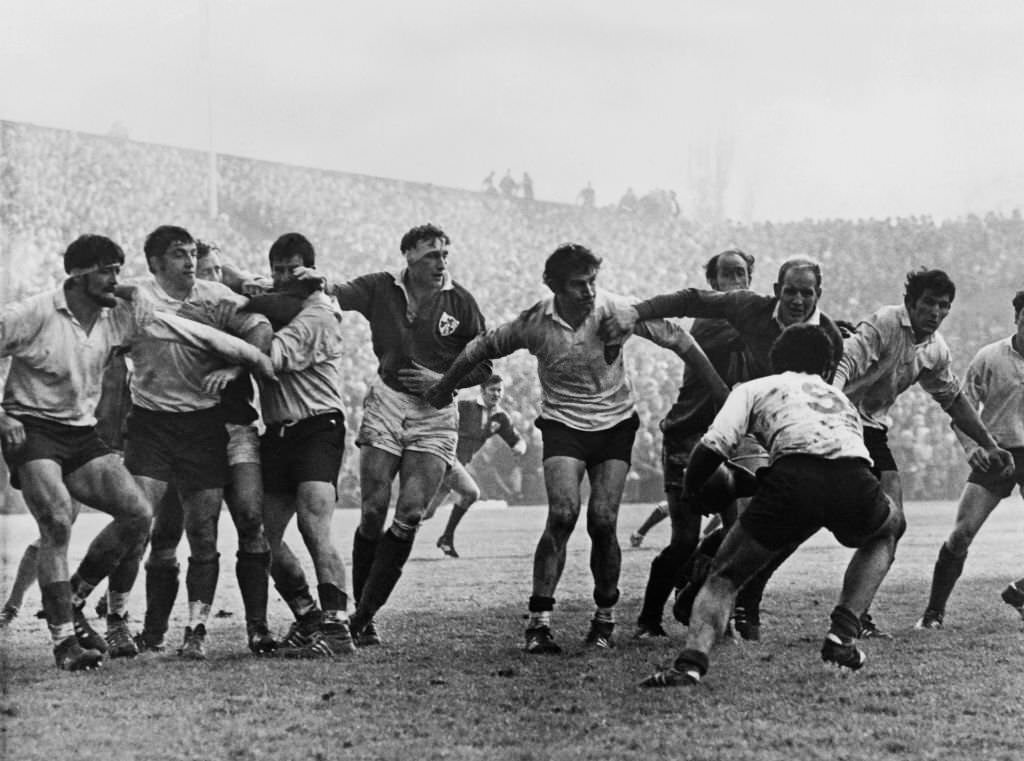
x,y
967,421
665,305
170,327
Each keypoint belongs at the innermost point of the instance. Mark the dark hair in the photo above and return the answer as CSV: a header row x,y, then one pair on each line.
x,y
711,268
291,244
801,348
158,241
493,380
800,264
567,260
921,280
420,233
92,251
205,248
1018,303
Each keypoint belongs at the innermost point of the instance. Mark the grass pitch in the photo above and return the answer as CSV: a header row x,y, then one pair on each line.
x,y
451,683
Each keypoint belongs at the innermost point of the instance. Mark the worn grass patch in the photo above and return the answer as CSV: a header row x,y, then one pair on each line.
x,y
451,683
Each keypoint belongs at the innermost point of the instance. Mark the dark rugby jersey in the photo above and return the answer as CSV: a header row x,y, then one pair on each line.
x,y
433,337
694,410
751,314
474,430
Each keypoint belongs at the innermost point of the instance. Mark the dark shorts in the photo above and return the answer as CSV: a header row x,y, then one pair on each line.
x,y
188,448
1002,486
70,445
309,450
591,447
675,458
877,442
800,494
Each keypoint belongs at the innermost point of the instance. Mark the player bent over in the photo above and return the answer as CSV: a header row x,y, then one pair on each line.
x,y
820,476
478,421
993,382
588,420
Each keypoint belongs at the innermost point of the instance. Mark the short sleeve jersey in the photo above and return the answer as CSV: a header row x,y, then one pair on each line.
x,y
789,414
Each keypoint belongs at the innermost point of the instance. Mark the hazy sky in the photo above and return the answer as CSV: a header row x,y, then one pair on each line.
x,y
823,109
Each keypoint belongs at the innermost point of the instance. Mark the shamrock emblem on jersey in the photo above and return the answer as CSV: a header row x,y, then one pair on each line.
x,y
494,426
447,324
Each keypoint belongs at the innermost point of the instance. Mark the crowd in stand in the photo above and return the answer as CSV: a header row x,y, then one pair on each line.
x,y
55,185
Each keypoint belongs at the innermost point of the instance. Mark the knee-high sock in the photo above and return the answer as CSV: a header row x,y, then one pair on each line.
x,y
161,590
363,552
948,568
201,579
388,562
251,569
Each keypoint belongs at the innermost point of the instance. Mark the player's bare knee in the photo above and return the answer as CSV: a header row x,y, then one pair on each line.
x,y
55,529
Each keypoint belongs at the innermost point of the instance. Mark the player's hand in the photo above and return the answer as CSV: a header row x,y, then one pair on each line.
x,y
309,273
216,381
846,328
264,368
436,396
999,461
257,286
618,323
417,379
12,433
126,292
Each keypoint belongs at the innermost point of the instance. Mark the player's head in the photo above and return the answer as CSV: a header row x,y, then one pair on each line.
x,y
288,253
208,265
93,263
928,296
798,290
90,252
425,248
1018,305
492,390
171,255
730,270
802,348
571,273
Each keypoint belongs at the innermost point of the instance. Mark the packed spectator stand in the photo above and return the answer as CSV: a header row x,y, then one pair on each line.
x,y
56,184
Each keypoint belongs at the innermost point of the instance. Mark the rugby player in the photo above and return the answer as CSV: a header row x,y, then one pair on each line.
x,y
683,425
176,429
819,477
420,319
758,320
891,350
993,383
301,452
588,420
479,419
243,495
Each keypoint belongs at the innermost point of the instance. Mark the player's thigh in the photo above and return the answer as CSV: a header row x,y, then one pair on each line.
x,y
314,509
278,510
420,475
607,480
47,499
741,556
105,484
562,478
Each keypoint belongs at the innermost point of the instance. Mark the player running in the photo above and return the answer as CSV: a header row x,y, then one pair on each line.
x,y
993,383
588,421
479,419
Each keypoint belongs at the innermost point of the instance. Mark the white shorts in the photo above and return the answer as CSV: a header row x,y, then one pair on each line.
x,y
243,444
395,422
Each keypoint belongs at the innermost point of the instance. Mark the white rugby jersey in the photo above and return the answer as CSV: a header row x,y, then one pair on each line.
x,y
791,413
